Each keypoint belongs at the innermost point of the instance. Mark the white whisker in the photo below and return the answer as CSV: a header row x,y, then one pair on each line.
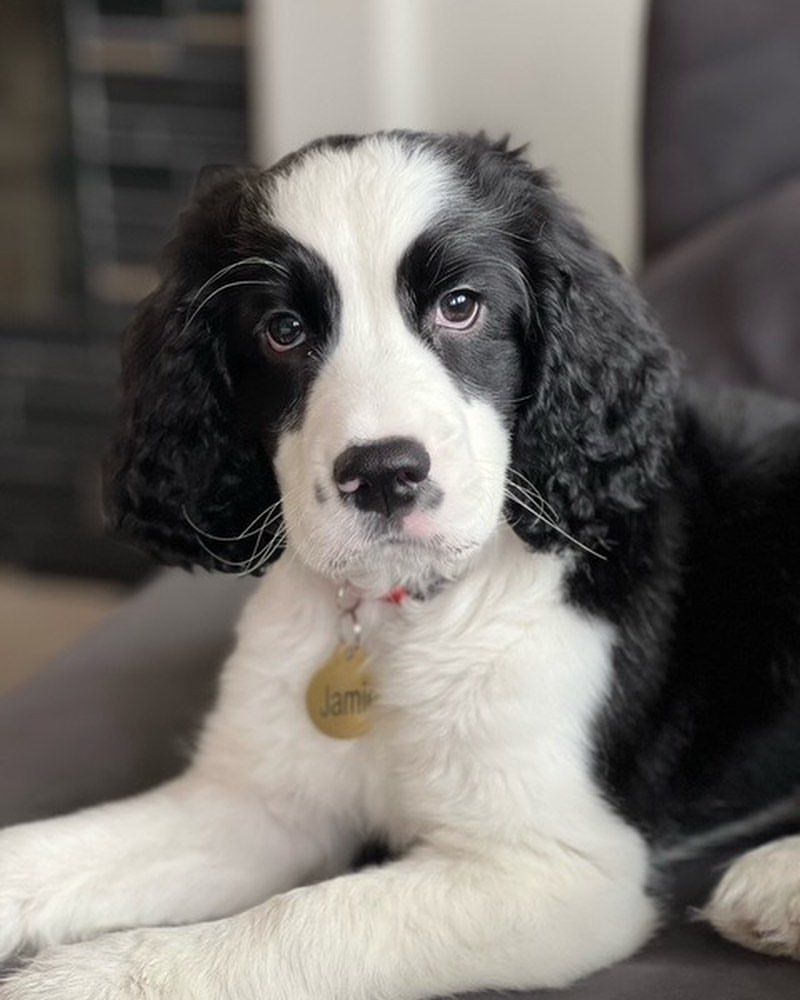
x,y
218,291
540,516
270,516
231,267
248,532
527,487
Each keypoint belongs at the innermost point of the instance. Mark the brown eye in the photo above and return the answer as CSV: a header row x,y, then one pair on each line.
x,y
458,310
285,331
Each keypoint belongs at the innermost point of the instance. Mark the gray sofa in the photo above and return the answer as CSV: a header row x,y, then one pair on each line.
x,y
721,157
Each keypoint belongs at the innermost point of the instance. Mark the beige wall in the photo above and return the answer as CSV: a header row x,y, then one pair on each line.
x,y
561,74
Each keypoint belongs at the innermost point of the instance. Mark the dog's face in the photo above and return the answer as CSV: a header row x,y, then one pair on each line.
x,y
382,341
399,359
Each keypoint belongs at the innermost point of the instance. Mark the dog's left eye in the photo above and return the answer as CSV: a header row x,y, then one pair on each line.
x,y
285,331
458,310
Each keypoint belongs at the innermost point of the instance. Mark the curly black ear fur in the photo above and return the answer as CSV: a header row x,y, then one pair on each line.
x,y
595,431
180,453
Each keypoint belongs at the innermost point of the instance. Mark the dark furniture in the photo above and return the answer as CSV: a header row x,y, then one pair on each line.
x,y
722,181
721,157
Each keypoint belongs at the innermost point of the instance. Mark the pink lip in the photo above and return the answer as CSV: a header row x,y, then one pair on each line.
x,y
418,525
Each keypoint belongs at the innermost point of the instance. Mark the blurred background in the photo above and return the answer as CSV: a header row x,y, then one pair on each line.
x,y
673,125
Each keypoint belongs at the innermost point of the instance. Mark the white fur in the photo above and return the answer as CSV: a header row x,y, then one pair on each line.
x,y
757,902
513,870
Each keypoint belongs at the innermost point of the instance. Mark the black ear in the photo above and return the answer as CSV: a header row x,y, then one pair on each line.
x,y
595,432
184,478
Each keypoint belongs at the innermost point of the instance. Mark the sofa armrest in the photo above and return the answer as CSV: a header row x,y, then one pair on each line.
x,y
728,294
118,712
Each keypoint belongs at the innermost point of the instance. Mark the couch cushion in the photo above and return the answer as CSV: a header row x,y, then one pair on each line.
x,y
118,712
721,109
729,296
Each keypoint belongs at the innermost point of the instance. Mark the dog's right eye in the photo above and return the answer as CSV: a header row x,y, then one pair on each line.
x,y
285,331
458,310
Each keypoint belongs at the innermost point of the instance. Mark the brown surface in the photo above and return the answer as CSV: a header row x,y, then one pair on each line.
x,y
42,616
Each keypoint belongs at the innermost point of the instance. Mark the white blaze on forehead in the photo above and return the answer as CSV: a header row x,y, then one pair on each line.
x,y
360,207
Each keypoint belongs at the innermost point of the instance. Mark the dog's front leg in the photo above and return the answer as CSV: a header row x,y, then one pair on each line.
x,y
445,918
267,804
190,850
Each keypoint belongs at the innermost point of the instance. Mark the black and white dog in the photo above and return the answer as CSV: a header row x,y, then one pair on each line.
x,y
570,589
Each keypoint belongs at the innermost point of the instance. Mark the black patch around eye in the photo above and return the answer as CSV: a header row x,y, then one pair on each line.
x,y
271,388
458,252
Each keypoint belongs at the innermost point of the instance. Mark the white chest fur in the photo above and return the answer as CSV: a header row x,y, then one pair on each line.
x,y
486,698
487,695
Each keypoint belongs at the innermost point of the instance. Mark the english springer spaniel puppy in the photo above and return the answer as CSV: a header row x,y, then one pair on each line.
x,y
531,609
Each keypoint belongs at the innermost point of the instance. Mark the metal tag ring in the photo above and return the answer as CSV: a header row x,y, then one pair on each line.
x,y
350,628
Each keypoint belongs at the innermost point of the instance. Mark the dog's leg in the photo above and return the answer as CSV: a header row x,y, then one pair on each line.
x,y
268,803
757,902
453,917
184,852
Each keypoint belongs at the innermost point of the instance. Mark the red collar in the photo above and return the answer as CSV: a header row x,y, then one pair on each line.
x,y
397,596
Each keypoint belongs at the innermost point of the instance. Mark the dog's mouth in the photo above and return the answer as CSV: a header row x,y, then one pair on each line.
x,y
417,533
389,555
416,528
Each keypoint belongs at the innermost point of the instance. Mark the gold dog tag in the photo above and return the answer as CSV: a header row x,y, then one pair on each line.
x,y
340,694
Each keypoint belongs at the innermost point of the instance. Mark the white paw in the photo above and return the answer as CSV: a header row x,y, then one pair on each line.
x,y
757,902
15,894
150,964
11,936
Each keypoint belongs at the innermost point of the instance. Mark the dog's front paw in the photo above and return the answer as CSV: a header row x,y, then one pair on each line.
x,y
757,902
11,934
16,896
150,964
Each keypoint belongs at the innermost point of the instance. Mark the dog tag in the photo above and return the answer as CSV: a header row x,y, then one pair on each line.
x,y
340,694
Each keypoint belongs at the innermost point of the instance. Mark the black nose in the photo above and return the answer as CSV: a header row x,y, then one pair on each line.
x,y
383,476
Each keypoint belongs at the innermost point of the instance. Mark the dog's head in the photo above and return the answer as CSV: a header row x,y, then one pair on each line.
x,y
378,350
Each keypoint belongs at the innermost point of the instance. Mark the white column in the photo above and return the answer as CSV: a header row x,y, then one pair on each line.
x,y
563,75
